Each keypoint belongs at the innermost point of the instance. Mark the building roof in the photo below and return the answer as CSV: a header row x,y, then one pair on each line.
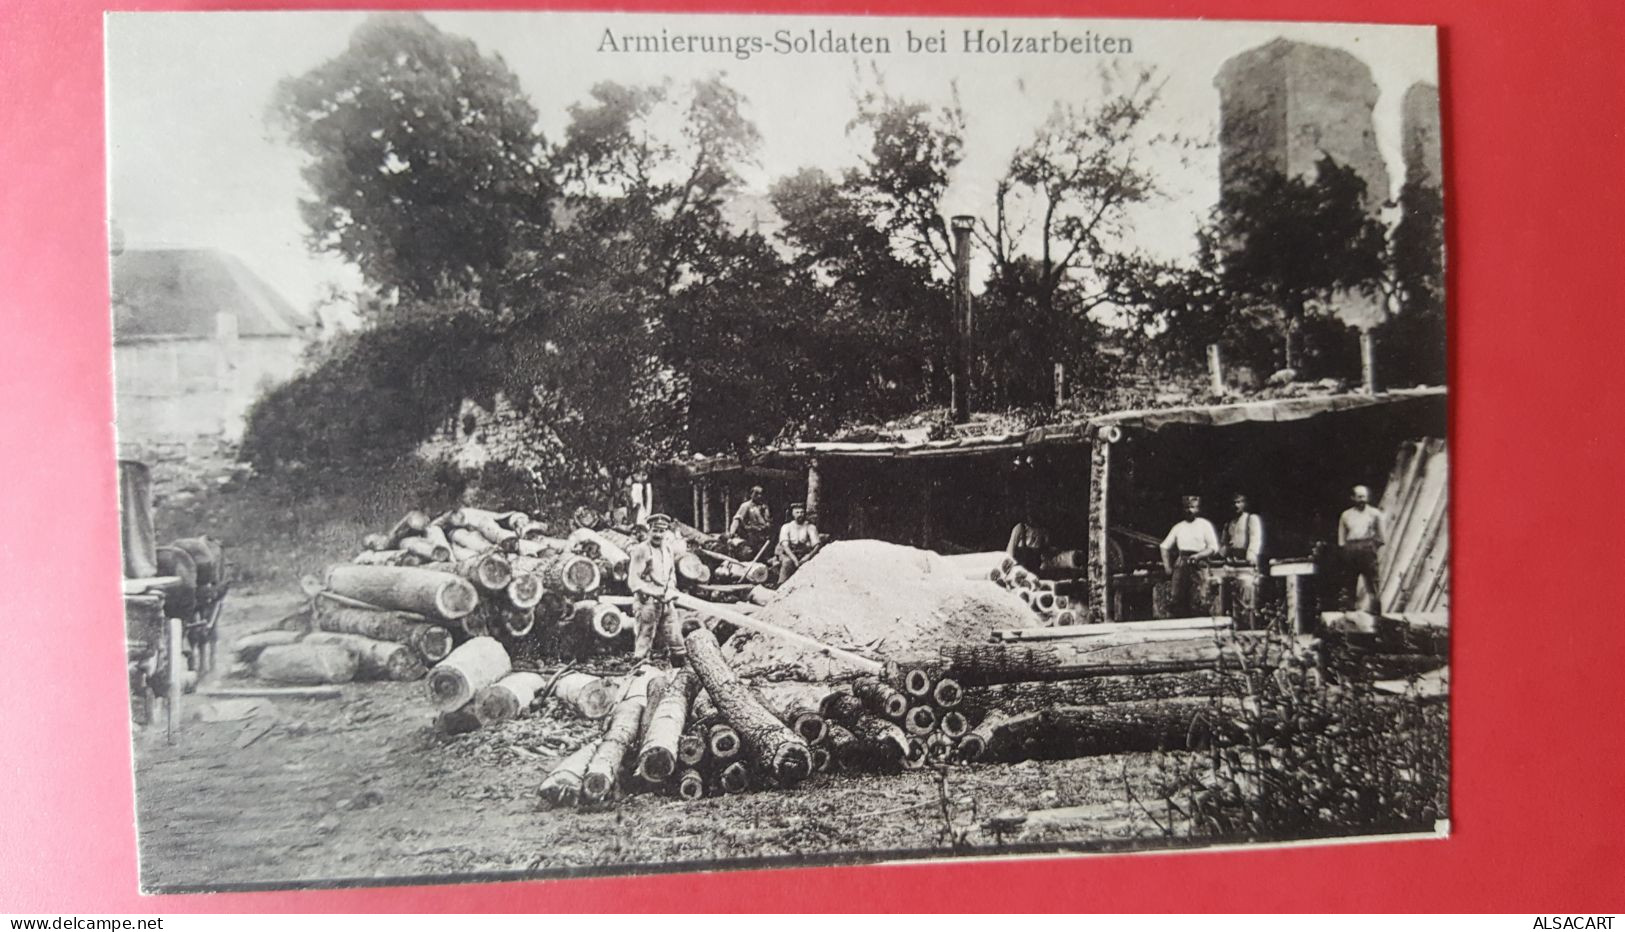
x,y
171,293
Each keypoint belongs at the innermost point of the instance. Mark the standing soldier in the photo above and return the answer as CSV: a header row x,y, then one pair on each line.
x,y
1244,543
652,576
1184,553
1361,533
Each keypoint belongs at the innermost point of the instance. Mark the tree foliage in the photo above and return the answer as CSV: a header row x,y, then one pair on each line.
x,y
603,283
424,165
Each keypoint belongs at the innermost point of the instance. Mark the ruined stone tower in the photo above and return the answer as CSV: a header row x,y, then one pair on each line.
x,y
1285,104
1419,133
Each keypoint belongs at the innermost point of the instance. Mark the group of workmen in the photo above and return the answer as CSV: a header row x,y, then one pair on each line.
x,y
1192,547
652,568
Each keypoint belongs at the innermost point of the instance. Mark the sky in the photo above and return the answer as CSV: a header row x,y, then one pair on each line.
x,y
193,161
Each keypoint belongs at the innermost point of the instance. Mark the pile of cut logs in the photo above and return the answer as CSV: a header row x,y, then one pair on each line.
x,y
1052,608
473,572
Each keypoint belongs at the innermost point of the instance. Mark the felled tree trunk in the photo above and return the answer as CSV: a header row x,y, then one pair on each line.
x,y
476,664
658,757
564,572
876,743
621,734
405,589
880,699
426,550
1087,731
412,524
591,697
563,784
376,660
247,648
508,697
772,746
306,664
992,664
432,642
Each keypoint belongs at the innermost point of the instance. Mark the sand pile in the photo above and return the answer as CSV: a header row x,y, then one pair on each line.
x,y
880,600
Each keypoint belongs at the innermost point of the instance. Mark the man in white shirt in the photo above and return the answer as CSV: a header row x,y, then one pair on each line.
x,y
798,539
1361,532
651,574
1184,552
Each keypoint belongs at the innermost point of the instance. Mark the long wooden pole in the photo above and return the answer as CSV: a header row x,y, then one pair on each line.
x,y
738,619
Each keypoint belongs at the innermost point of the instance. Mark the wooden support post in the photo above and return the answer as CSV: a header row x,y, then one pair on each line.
x,y
1060,384
965,324
1215,369
1368,362
695,509
727,508
814,486
705,507
174,634
1099,571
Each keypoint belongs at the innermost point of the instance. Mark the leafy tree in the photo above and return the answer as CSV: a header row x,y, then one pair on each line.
x,y
884,331
1286,241
424,160
1056,235
1412,341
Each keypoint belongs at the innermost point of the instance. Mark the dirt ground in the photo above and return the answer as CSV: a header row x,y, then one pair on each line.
x,y
362,790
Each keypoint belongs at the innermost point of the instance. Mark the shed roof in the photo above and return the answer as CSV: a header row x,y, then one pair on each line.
x,y
174,293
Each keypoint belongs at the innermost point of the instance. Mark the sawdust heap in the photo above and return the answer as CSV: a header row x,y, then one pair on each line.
x,y
880,600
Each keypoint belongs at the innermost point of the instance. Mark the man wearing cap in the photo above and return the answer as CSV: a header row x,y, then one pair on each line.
x,y
1190,543
752,523
651,574
798,539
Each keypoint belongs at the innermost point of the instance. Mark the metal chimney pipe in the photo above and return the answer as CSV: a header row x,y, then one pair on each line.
x,y
964,322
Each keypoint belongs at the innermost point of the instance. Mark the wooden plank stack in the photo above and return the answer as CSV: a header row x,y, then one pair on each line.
x,y
1415,564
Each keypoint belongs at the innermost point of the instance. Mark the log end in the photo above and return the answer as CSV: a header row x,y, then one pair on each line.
x,y
954,724
456,599
595,786
494,704
921,720
917,683
810,726
896,706
971,748
822,760
792,763
447,688
655,765
917,754
691,785
525,592
690,749
433,643
735,778
947,693
724,742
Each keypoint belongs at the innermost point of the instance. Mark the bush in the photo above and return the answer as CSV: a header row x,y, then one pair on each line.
x,y
1298,755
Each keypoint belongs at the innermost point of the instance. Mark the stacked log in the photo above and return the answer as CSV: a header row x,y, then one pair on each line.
x,y
507,698
375,660
405,589
770,744
474,665
1038,594
432,642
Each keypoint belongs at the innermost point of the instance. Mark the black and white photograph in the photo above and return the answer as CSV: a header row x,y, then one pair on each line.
x,y
574,444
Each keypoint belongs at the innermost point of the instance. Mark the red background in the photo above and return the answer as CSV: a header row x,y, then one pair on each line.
x,y
1534,106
